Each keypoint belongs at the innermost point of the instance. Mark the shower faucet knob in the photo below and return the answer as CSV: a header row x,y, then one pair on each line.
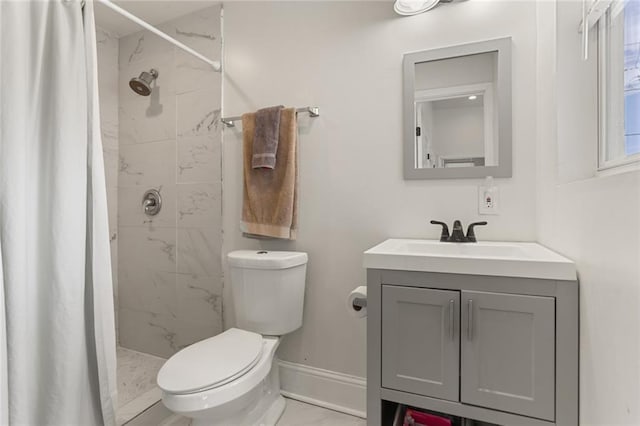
x,y
152,202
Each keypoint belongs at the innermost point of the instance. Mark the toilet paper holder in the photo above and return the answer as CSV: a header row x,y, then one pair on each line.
x,y
359,303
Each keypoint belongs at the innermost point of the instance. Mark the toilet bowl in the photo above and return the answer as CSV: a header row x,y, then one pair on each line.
x,y
246,392
233,378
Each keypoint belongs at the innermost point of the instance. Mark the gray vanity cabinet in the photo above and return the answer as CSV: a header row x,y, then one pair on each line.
x,y
495,349
508,347
421,341
500,356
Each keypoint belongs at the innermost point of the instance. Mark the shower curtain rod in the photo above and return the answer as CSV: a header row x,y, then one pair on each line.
x,y
312,111
215,64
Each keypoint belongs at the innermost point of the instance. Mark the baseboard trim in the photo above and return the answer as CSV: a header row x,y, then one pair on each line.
x,y
324,388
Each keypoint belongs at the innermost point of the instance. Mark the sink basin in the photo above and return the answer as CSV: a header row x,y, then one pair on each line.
x,y
436,248
512,259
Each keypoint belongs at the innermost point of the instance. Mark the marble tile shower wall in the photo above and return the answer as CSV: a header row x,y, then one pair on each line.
x,y
169,265
108,94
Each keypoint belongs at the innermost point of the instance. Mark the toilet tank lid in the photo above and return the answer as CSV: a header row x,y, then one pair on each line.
x,y
266,259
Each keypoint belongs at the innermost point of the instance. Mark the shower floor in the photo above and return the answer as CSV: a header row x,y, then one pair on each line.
x,y
137,389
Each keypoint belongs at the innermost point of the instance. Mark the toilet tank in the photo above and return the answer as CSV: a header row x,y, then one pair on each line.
x,y
268,290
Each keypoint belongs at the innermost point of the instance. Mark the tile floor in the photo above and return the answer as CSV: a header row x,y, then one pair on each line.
x,y
137,388
301,414
298,414
137,391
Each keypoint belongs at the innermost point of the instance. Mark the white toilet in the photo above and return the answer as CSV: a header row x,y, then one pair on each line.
x,y
232,378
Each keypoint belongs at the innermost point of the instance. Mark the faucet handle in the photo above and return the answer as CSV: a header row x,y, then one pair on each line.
x,y
444,236
471,235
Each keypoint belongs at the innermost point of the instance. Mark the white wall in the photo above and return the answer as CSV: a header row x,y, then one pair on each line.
x,y
346,58
594,220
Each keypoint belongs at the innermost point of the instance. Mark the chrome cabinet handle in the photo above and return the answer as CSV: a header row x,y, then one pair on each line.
x,y
470,319
452,308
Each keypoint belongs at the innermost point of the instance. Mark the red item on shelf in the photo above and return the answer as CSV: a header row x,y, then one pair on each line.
x,y
418,418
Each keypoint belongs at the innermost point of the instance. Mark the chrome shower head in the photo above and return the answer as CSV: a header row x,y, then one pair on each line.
x,y
142,84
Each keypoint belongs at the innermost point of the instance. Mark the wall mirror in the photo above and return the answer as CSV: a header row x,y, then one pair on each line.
x,y
457,111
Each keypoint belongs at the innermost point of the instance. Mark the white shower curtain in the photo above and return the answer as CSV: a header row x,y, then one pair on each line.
x,y
57,334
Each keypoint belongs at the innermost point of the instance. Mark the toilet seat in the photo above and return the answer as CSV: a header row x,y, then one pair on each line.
x,y
211,363
231,396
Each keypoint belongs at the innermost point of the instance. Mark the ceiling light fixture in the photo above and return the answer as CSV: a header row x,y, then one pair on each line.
x,y
473,97
413,7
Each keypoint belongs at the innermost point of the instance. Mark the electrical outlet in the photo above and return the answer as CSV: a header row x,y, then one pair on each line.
x,y
488,200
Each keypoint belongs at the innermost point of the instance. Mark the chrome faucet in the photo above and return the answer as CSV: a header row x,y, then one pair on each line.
x,y
457,234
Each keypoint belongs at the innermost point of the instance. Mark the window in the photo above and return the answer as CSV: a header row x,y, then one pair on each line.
x,y
619,59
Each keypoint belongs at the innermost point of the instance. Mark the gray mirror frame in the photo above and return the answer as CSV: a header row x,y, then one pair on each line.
x,y
504,167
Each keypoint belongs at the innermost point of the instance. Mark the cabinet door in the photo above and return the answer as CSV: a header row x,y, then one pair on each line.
x,y
421,341
508,353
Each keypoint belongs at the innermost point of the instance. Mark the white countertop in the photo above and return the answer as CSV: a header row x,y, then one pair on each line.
x,y
509,259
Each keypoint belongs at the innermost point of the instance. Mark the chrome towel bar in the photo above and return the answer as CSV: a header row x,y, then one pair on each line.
x,y
312,111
